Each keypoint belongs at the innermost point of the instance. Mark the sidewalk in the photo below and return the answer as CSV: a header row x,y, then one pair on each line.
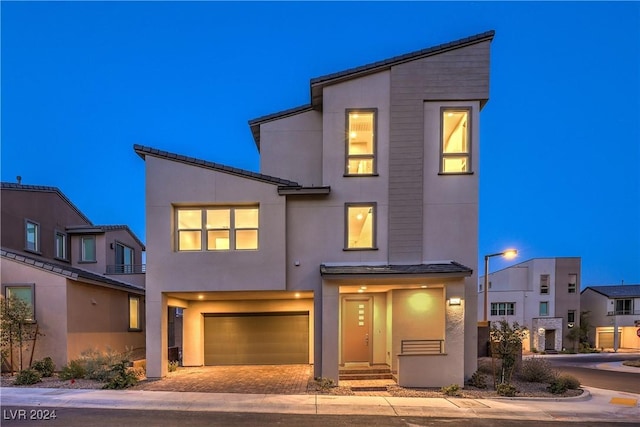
x,y
594,405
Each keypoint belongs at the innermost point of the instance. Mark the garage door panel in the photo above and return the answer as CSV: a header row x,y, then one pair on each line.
x,y
256,339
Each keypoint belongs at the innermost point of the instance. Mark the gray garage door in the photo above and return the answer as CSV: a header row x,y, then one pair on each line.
x,y
605,339
256,338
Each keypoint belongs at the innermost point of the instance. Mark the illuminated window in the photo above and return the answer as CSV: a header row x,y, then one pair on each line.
x,y
32,236
360,226
88,248
217,228
134,313
503,308
61,245
456,140
361,142
23,292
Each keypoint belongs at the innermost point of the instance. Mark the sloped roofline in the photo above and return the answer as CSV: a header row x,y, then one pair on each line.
x,y
317,84
72,272
45,189
143,151
616,291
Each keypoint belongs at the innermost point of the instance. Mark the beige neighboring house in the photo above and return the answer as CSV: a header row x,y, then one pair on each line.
x,y
85,282
614,315
355,245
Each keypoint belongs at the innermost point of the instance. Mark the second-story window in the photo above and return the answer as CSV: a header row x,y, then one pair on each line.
x,y
61,245
544,308
217,228
361,142
360,226
32,236
544,284
88,249
624,306
124,258
456,141
573,283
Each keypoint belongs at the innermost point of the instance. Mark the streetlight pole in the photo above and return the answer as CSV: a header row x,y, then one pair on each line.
x,y
508,254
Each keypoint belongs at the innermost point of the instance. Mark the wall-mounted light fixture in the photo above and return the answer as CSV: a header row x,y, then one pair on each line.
x,y
454,301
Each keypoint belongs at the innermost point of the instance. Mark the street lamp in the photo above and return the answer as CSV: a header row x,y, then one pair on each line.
x,y
508,254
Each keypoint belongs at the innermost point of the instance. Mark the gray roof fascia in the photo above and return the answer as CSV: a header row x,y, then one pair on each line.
x,y
303,191
254,124
45,189
72,272
317,84
449,269
143,151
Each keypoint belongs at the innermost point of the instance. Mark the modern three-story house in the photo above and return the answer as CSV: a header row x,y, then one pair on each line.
x,y
355,244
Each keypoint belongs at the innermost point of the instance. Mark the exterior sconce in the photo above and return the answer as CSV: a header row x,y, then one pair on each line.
x,y
541,331
570,325
454,301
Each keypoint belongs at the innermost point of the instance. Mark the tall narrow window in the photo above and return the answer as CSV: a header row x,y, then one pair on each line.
x,y
360,226
544,308
124,259
544,284
32,236
61,245
24,292
573,283
456,140
190,229
88,249
571,317
361,142
134,313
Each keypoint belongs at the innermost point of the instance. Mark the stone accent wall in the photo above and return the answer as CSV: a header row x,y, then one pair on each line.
x,y
538,340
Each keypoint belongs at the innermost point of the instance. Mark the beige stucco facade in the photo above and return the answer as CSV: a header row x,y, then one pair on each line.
x,y
402,292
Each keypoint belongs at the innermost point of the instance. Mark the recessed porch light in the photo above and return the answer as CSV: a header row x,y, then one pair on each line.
x,y
200,296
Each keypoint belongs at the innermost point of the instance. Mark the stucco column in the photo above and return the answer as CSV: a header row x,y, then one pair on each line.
x,y
157,337
470,307
330,331
193,337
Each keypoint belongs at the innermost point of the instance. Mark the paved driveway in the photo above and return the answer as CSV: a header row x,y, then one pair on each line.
x,y
261,379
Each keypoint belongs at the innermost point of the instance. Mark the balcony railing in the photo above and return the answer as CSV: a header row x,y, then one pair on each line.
x,y
126,269
624,313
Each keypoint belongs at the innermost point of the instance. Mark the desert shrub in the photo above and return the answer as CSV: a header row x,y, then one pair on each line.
x,y
98,364
562,383
478,380
121,376
505,389
45,367
27,377
451,390
487,366
173,366
325,383
74,370
536,370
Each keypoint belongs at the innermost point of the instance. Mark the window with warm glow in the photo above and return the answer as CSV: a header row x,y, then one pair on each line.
x,y
217,228
361,142
361,225
456,141
134,313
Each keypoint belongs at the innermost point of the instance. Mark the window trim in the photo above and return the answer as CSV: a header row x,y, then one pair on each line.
x,y
374,232
469,154
545,285
508,307
32,287
123,268
95,249
36,249
65,251
137,298
623,311
204,230
572,288
374,156
546,314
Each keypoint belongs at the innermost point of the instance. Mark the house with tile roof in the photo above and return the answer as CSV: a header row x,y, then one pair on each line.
x,y
355,246
84,282
614,315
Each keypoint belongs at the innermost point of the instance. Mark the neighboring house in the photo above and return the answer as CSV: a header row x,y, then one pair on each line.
x,y
542,294
613,309
85,282
355,245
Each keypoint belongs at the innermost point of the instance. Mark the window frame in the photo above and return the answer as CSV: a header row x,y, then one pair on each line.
x,y
624,311
546,312
469,153
64,239
571,316
83,258
32,287
572,288
36,243
373,156
503,309
374,234
204,231
138,298
545,284
123,267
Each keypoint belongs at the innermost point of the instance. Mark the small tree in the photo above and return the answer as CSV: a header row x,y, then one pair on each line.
x,y
506,342
16,329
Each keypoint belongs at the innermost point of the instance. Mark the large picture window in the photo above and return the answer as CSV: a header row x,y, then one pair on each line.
x,y
456,140
361,142
217,228
24,292
360,226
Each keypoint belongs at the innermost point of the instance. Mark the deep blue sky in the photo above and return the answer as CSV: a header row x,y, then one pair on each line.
x,y
560,143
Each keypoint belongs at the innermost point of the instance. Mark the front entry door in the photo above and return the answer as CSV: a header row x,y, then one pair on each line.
x,y
356,330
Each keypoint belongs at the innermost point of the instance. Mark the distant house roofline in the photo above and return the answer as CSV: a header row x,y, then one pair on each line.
x,y
615,291
317,84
